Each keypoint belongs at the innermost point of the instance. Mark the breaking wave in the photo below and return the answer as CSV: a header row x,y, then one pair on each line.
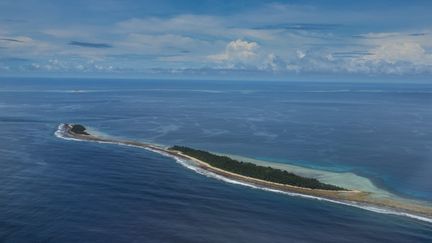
x,y
61,133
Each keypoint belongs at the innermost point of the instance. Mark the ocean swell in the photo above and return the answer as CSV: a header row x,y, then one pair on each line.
x,y
61,132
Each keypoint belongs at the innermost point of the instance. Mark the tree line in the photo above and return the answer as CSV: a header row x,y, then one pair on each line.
x,y
255,171
79,129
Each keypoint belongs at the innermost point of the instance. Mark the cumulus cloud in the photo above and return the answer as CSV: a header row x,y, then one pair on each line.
x,y
274,63
237,52
274,38
394,52
242,54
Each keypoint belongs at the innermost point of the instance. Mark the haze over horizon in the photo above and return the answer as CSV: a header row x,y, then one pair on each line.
x,y
216,38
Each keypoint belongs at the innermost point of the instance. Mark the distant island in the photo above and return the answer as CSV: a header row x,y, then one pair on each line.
x,y
256,175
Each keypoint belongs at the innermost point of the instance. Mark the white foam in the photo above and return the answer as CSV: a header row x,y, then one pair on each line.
x,y
352,204
61,133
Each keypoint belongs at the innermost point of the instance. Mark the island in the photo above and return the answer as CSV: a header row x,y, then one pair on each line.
x,y
255,171
78,129
263,177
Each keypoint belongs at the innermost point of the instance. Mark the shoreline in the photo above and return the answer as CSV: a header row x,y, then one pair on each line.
x,y
357,198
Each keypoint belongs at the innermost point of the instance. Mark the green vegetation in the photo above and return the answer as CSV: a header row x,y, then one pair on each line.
x,y
255,171
79,129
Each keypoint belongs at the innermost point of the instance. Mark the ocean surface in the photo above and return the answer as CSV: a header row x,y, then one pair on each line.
x,y
55,190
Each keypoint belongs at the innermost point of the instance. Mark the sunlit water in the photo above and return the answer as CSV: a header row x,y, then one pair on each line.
x,y
59,190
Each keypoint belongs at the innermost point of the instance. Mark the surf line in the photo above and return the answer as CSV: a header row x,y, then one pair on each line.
x,y
64,131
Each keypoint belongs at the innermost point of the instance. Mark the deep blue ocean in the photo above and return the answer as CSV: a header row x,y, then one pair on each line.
x,y
54,190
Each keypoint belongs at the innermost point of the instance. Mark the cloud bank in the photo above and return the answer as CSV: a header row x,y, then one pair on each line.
x,y
269,38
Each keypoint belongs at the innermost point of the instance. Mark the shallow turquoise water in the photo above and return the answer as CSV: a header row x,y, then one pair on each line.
x,y
57,190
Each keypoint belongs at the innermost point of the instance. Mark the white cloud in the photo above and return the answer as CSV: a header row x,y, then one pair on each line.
x,y
241,54
274,63
160,44
73,33
394,52
237,51
271,38
300,54
380,35
194,25
25,45
55,65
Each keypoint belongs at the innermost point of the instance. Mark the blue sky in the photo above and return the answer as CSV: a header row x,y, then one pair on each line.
x,y
210,38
